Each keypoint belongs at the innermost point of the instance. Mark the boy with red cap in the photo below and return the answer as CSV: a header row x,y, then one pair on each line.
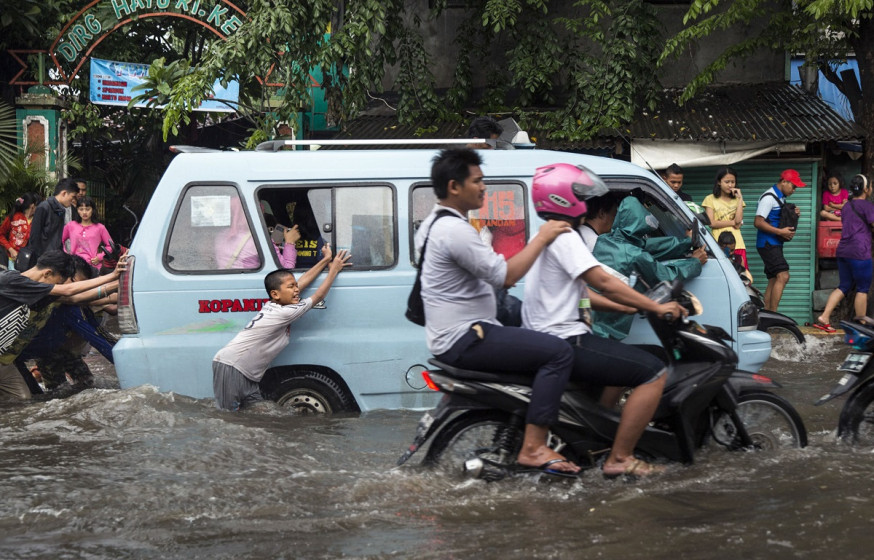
x,y
770,236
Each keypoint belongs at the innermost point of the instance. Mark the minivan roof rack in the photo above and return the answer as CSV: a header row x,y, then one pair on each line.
x,y
276,145
183,149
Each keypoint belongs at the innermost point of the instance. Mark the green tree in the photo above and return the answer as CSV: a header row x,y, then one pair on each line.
x,y
571,68
824,30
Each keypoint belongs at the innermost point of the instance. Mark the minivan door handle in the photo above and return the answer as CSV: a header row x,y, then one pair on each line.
x,y
320,305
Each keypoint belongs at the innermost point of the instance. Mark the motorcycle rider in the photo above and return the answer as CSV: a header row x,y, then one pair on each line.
x,y
554,288
460,273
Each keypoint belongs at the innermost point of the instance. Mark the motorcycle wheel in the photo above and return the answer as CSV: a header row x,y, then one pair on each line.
x,y
488,435
856,423
769,419
492,436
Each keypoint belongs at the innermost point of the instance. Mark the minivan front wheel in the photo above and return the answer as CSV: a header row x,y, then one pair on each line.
x,y
312,393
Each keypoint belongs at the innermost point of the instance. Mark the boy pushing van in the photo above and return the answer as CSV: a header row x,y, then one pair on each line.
x,y
239,366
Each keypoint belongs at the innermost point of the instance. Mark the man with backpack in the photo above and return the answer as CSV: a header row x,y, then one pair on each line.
x,y
775,222
459,276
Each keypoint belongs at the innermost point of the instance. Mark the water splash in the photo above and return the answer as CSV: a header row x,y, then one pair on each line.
x,y
815,348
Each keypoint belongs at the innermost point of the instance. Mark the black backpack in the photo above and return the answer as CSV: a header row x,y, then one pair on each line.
x,y
415,306
788,215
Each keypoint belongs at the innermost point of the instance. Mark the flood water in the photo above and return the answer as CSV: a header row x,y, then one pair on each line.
x,y
140,474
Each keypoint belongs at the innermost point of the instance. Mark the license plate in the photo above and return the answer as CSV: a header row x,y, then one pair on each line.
x,y
855,362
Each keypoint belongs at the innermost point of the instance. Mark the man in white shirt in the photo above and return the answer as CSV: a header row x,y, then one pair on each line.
x,y
558,281
459,276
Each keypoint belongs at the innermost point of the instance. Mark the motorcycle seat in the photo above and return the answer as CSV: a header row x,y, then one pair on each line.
x,y
498,377
486,376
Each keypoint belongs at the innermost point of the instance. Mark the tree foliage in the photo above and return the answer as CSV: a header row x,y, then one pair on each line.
x,y
826,31
573,68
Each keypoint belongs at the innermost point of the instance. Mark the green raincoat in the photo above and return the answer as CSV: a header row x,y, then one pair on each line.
x,y
627,249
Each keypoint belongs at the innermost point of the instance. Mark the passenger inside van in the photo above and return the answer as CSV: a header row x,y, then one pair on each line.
x,y
234,246
286,250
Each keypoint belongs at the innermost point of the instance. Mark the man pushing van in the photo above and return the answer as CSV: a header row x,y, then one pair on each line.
x,y
238,368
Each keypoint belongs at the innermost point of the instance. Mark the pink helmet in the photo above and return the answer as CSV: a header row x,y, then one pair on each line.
x,y
561,189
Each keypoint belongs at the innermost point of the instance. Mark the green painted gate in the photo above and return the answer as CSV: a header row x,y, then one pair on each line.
x,y
754,177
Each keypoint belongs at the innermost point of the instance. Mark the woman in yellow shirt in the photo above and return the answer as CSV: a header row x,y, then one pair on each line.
x,y
725,208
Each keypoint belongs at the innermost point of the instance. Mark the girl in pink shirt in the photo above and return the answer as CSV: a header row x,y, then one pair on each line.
x,y
86,234
834,196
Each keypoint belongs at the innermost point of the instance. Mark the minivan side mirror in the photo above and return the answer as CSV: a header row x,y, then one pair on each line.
x,y
696,233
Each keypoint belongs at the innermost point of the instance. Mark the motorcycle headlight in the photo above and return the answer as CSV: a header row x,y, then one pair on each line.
x,y
747,317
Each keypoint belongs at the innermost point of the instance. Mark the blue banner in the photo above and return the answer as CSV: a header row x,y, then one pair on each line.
x,y
111,84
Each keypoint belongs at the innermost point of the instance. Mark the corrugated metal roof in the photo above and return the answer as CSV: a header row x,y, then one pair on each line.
x,y
745,112
777,112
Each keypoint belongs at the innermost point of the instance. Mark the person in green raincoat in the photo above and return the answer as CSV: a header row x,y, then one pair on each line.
x,y
628,249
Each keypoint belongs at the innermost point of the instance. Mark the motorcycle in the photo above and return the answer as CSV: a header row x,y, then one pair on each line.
x,y
478,425
856,422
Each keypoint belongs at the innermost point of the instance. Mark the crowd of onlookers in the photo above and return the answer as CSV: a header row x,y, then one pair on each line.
x,y
57,288
775,220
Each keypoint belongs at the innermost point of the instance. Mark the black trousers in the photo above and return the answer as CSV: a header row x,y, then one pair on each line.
x,y
547,358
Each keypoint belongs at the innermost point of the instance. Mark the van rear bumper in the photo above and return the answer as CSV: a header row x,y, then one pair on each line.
x,y
131,362
753,349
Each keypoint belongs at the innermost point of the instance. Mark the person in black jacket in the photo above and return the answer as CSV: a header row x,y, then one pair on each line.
x,y
48,224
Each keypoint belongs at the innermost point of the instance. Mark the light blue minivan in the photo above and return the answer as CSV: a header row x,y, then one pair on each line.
x,y
204,247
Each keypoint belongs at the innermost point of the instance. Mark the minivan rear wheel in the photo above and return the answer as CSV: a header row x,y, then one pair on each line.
x,y
312,393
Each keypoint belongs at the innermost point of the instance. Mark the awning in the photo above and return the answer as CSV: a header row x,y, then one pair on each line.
x,y
659,154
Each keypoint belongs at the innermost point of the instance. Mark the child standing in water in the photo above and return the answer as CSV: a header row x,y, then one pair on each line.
x,y
834,196
725,208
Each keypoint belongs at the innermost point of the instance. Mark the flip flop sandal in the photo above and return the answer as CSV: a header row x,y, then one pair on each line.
x,y
544,468
825,327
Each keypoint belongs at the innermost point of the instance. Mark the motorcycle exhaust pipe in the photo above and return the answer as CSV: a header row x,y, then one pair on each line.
x,y
477,468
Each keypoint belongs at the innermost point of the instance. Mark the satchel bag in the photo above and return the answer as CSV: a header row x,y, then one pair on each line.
x,y
415,306
788,215
509,308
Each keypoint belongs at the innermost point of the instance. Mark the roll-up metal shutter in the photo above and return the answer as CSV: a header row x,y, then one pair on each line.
x,y
754,177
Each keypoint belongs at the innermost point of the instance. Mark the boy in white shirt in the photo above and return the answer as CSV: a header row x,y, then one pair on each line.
x,y
238,368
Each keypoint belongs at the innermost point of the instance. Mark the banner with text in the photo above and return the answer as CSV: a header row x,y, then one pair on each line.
x,y
111,84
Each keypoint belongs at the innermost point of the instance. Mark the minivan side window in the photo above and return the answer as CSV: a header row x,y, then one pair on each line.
x,y
671,222
358,218
212,231
501,221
